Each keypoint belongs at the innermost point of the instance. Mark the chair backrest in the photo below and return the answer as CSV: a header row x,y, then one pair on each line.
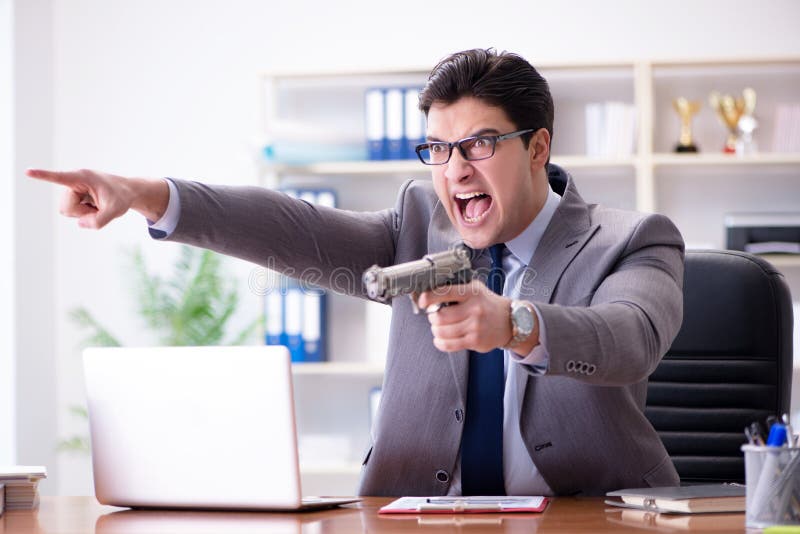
x,y
730,365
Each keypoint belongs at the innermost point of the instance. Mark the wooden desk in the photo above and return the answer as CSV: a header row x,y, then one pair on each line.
x,y
567,514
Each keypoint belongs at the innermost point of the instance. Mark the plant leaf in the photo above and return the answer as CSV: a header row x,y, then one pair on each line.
x,y
100,336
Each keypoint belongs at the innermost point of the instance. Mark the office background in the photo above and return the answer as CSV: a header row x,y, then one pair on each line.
x,y
170,88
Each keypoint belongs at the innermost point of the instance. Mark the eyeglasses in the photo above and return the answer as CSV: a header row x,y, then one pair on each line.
x,y
471,148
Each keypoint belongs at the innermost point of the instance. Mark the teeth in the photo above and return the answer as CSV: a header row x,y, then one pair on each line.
x,y
467,196
475,219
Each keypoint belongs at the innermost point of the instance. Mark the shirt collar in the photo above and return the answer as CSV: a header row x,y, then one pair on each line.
x,y
524,245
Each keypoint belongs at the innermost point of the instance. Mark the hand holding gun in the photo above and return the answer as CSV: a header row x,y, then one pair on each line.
x,y
415,277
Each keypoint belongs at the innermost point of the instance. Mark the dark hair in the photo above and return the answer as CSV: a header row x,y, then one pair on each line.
x,y
503,80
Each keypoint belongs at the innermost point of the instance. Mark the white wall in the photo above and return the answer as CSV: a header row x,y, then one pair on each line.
x,y
8,432
33,248
169,87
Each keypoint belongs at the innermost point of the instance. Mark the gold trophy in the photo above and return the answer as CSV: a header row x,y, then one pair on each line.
x,y
686,109
737,115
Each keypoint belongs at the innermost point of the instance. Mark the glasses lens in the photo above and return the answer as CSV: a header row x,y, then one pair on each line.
x,y
434,153
478,147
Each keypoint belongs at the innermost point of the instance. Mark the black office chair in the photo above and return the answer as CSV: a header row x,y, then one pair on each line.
x,y
730,365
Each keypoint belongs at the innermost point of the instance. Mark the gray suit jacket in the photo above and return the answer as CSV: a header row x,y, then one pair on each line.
x,y
608,284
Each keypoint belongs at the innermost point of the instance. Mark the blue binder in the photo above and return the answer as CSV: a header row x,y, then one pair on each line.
x,y
413,122
395,142
313,318
293,321
375,123
273,304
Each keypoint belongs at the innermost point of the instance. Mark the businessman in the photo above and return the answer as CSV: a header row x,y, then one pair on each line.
x,y
534,381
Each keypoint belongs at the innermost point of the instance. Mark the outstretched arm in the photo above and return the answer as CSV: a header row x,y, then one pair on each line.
x,y
97,198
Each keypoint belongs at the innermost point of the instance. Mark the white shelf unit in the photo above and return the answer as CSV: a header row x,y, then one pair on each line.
x,y
332,403
695,190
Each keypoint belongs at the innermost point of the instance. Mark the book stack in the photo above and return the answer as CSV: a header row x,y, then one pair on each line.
x,y
702,498
21,486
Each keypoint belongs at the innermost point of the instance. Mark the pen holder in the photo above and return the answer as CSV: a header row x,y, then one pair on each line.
x,y
773,485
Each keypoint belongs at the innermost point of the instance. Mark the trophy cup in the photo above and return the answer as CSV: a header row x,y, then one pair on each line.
x,y
686,109
737,115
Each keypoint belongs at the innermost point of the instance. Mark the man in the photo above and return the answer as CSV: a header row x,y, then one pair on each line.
x,y
591,299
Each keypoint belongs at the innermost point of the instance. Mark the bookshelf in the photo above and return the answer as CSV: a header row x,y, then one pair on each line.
x,y
695,190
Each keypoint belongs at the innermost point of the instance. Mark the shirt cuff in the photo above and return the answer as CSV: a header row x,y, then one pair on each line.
x,y
169,221
538,359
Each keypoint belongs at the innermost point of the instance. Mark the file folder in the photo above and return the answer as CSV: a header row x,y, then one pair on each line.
x,y
374,115
313,315
293,322
414,122
273,303
395,147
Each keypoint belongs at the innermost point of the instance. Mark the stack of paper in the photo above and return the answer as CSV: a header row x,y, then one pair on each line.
x,y
610,129
21,486
786,133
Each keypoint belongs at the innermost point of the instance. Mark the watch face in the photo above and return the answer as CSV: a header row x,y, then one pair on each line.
x,y
523,320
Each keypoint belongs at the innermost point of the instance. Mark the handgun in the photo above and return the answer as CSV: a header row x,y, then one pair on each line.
x,y
414,277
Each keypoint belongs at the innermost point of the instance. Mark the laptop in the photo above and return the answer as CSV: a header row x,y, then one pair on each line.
x,y
195,427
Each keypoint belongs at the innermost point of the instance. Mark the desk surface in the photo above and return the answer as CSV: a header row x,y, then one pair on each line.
x,y
565,514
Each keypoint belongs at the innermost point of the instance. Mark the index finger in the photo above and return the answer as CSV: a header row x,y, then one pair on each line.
x,y
56,177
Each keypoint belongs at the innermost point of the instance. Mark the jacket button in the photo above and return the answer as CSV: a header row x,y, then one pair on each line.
x,y
459,415
442,475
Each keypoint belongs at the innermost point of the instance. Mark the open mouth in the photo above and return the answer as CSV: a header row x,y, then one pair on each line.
x,y
473,206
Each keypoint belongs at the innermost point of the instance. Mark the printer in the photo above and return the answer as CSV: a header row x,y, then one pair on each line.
x,y
763,233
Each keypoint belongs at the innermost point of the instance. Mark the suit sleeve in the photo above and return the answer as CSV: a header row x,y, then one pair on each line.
x,y
632,318
323,246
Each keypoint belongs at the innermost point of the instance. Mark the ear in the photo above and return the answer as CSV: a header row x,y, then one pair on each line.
x,y
539,149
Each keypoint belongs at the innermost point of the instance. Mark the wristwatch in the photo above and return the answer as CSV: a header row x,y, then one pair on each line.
x,y
523,321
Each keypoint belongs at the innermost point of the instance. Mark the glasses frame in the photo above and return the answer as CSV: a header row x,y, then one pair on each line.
x,y
458,144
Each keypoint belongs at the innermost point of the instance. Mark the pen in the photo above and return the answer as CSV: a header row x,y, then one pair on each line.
x,y
755,434
777,435
791,441
750,438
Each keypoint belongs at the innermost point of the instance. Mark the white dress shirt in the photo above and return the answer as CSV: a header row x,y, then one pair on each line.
x,y
169,221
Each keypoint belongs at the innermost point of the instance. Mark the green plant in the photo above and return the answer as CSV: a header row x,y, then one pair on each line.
x,y
192,307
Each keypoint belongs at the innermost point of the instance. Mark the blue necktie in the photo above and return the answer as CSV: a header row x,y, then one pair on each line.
x,y
482,440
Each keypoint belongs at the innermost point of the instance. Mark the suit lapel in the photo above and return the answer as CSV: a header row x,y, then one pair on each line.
x,y
569,230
